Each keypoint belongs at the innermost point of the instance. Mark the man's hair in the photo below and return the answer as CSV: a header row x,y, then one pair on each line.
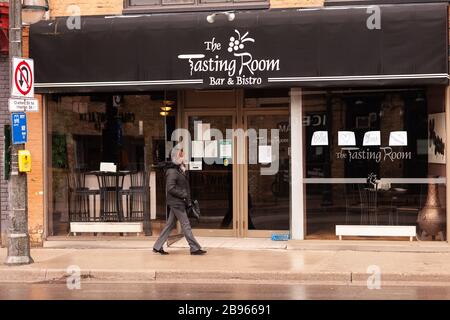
x,y
174,154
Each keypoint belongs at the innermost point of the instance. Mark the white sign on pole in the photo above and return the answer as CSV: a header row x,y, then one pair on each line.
x,y
23,105
22,85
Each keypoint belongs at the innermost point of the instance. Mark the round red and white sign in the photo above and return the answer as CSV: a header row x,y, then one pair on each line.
x,y
23,78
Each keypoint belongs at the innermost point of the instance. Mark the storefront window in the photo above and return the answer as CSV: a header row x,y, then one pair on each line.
x,y
372,158
86,133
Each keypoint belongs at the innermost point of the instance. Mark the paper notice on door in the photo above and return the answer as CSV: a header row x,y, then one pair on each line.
x,y
197,149
225,148
203,131
265,154
195,165
206,131
197,130
211,149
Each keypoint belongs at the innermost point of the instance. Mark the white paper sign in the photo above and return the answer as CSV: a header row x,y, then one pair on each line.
x,y
320,138
108,167
202,131
195,165
398,138
225,148
372,138
346,138
197,130
265,154
206,131
211,149
197,149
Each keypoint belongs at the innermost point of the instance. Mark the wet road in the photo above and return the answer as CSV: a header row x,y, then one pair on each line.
x,y
221,291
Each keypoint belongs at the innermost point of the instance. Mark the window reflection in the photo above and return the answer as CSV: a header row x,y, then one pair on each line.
x,y
86,130
368,157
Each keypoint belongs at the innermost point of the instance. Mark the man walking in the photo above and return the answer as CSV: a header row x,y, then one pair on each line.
x,y
178,198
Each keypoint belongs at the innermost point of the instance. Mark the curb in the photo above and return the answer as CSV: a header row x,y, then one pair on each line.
x,y
343,277
144,275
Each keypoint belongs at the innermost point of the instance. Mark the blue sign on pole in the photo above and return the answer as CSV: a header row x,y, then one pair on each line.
x,y
19,127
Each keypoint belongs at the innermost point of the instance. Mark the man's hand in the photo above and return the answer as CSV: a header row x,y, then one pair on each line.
x,y
188,203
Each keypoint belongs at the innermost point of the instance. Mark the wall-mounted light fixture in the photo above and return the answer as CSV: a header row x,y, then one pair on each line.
x,y
212,17
33,10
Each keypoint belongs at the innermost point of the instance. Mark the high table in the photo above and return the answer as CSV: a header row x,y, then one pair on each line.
x,y
110,186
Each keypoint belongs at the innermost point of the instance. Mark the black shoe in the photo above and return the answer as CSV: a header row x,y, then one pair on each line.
x,y
198,252
160,251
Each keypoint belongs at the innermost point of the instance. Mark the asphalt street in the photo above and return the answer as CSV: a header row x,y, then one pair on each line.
x,y
215,291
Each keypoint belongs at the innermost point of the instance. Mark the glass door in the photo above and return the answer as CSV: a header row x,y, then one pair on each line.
x,y
212,172
267,173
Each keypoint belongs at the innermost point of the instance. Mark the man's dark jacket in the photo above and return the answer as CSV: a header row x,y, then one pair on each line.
x,y
177,186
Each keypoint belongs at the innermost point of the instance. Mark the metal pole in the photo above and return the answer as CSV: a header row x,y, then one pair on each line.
x,y
18,237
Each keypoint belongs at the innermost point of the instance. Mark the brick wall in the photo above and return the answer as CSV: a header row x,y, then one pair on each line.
x,y
4,116
110,7
87,7
36,176
295,3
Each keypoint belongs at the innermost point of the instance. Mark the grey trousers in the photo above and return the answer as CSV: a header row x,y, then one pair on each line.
x,y
181,215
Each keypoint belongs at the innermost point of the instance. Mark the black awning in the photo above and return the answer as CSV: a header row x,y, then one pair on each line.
x,y
271,48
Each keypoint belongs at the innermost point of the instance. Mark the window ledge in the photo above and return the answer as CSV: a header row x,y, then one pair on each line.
x,y
196,8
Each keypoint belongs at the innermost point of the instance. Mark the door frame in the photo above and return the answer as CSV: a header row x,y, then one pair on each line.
x,y
233,232
244,212
239,116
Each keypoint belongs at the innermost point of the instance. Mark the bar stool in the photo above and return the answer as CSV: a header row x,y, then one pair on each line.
x,y
138,199
78,197
110,185
369,197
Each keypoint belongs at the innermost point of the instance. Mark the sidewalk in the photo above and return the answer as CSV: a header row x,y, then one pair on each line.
x,y
227,264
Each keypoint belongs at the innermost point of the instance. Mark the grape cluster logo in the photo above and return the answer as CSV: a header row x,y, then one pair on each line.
x,y
229,65
238,43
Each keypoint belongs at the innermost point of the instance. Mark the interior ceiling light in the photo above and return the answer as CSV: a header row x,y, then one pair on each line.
x,y
166,108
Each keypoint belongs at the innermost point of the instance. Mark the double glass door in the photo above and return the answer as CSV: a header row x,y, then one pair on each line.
x,y
243,189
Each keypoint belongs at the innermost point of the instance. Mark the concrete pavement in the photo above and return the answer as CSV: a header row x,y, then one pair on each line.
x,y
226,264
